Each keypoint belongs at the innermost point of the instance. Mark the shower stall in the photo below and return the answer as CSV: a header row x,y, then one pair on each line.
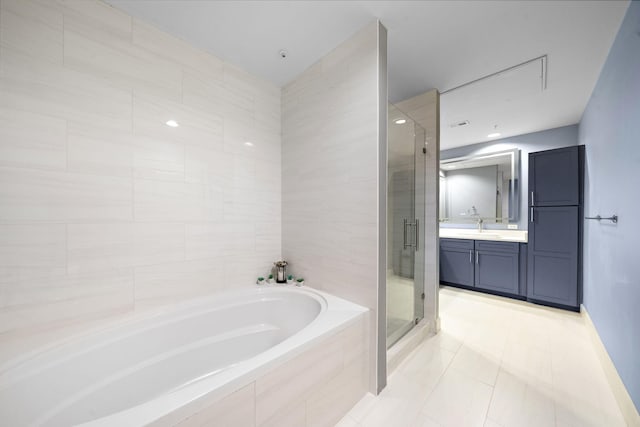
x,y
405,216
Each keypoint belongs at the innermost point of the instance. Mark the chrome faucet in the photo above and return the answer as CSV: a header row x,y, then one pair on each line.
x,y
480,225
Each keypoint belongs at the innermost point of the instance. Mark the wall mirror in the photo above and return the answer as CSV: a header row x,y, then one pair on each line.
x,y
482,186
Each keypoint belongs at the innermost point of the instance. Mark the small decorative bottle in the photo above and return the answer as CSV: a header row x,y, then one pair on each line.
x,y
281,271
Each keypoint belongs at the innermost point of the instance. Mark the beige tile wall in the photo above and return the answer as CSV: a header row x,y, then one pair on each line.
x,y
103,208
330,173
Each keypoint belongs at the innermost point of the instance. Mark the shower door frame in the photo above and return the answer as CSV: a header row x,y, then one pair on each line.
x,y
419,218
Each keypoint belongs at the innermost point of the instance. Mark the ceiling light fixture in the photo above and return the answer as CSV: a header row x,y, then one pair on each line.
x,y
493,135
172,123
248,144
458,124
400,121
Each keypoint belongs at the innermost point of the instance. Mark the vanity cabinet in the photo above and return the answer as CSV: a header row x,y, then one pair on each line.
x,y
555,177
556,181
497,266
553,244
492,266
457,261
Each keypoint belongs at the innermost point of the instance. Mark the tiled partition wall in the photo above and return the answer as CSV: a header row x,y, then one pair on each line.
x,y
103,208
332,180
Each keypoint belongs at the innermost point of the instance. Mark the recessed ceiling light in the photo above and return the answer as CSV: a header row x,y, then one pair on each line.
x,y
400,121
493,135
458,124
172,123
248,144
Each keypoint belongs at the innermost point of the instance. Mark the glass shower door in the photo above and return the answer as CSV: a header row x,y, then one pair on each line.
x,y
405,215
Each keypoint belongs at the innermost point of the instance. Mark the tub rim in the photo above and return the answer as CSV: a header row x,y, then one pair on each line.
x,y
154,314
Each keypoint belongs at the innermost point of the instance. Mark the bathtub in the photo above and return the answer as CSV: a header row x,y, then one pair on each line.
x,y
162,367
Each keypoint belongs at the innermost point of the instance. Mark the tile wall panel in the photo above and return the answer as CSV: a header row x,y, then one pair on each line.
x,y
96,150
32,140
103,208
235,410
330,172
32,195
32,28
314,388
159,283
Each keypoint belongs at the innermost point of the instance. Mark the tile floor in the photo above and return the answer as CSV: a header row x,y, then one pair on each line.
x,y
496,362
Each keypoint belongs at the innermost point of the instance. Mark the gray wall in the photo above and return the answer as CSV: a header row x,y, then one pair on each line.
x,y
610,131
528,143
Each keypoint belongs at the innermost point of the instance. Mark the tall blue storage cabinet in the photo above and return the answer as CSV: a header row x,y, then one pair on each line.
x,y
556,187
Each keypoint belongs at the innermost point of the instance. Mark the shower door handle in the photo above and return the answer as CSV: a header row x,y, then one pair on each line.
x,y
404,234
417,234
415,226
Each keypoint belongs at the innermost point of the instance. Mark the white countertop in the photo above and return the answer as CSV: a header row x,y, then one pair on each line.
x,y
473,234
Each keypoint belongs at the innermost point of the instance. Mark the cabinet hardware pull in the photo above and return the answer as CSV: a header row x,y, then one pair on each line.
x,y
532,219
477,258
470,256
532,201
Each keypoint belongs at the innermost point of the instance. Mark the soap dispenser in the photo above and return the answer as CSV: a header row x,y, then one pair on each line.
x,y
281,271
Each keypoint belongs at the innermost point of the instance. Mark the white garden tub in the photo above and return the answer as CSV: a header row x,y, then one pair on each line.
x,y
136,372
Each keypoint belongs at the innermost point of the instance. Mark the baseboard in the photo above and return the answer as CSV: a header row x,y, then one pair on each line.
x,y
400,350
436,325
629,411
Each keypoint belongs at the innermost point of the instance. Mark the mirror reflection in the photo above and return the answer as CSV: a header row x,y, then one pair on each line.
x,y
481,187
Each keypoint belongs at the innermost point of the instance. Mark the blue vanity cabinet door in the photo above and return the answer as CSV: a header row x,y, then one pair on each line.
x,y
456,261
553,254
555,177
497,266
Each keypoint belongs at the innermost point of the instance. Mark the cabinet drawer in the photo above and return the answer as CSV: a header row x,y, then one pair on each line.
x,y
486,245
456,244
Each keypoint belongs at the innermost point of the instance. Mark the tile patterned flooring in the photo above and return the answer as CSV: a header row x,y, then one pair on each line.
x,y
496,362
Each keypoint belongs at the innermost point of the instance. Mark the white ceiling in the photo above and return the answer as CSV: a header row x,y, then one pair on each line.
x,y
432,44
